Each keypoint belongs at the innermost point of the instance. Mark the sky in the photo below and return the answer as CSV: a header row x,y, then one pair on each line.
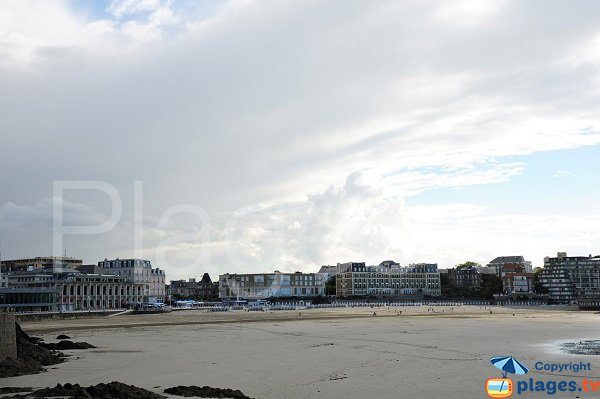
x,y
246,136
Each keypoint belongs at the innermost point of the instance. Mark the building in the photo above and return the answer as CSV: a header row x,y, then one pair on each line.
x,y
328,271
498,263
419,267
138,271
203,289
29,299
79,291
519,285
39,263
273,285
486,270
387,279
467,277
512,268
571,278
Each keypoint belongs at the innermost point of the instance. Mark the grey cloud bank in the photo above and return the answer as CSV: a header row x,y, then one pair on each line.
x,y
320,116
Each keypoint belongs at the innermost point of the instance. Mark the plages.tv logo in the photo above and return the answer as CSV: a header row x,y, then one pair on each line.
x,y
503,387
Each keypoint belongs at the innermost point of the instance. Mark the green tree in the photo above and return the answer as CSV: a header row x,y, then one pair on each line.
x,y
444,280
330,286
491,285
467,264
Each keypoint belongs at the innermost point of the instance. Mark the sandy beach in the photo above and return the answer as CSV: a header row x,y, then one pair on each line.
x,y
328,353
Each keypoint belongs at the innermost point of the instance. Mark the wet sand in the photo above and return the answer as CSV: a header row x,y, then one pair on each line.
x,y
333,353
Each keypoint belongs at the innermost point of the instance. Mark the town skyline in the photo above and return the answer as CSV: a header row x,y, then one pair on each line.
x,y
308,269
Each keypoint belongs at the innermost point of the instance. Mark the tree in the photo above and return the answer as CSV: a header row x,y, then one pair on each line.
x,y
467,264
330,286
491,285
444,280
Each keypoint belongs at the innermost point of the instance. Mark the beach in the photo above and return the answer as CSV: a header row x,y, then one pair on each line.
x,y
329,353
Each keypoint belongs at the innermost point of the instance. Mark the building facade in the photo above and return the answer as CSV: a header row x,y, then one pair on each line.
x,y
74,290
498,263
328,271
387,279
467,277
138,271
29,299
570,278
517,284
203,289
272,285
47,262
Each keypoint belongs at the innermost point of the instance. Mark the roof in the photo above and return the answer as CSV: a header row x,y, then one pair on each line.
x,y
466,269
508,259
48,270
327,269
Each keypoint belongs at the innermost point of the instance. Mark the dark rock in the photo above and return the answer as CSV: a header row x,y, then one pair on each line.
x,y
66,345
101,391
31,357
71,390
586,347
5,390
205,392
63,336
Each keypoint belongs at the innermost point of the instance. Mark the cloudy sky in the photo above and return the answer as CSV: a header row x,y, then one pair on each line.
x,y
254,136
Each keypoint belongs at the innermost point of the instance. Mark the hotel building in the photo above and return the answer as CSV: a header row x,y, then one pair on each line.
x,y
73,290
137,271
387,279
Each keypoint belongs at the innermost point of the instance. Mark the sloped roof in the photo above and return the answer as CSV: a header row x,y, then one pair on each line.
x,y
206,279
327,269
508,259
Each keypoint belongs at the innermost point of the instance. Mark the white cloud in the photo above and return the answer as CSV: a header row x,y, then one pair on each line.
x,y
34,35
468,13
356,221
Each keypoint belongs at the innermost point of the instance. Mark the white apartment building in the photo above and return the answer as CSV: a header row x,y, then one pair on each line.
x,y
138,271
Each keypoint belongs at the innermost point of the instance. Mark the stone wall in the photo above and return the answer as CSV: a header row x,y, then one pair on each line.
x,y
8,336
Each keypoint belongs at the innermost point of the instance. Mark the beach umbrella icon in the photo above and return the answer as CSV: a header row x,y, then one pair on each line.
x,y
509,364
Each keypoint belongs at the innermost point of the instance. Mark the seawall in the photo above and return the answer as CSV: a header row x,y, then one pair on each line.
x,y
8,335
